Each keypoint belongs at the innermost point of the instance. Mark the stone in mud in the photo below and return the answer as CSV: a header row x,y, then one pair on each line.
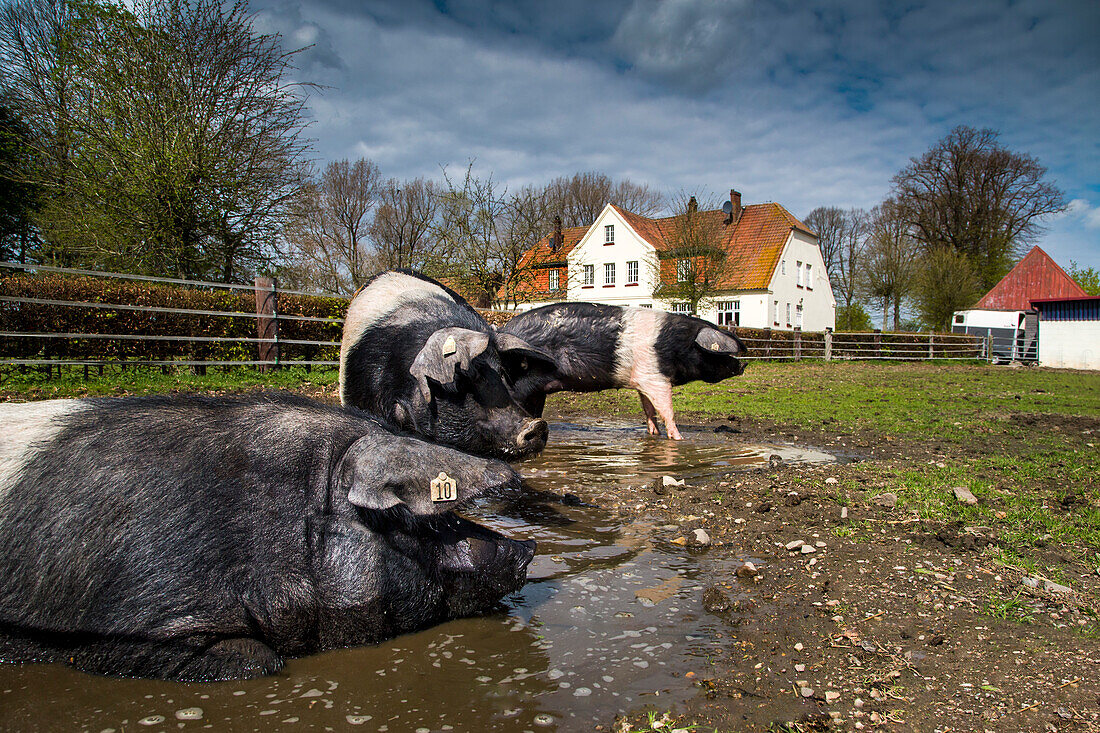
x,y
699,538
764,507
775,460
964,495
747,570
794,545
888,500
793,498
667,481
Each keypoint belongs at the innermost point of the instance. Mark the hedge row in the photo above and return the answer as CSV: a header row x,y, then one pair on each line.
x,y
39,318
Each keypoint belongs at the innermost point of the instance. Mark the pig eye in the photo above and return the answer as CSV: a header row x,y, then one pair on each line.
x,y
523,364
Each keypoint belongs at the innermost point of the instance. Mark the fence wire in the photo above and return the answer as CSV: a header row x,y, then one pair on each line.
x,y
777,345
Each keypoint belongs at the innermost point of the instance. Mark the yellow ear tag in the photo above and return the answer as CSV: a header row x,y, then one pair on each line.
x,y
714,346
449,346
444,488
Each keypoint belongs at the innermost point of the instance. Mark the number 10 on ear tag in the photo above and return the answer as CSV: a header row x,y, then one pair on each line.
x,y
444,488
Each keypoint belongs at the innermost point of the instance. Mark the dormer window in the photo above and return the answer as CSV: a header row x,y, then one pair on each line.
x,y
609,234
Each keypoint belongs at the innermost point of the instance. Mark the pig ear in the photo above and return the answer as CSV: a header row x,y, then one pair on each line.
x,y
446,351
511,344
713,341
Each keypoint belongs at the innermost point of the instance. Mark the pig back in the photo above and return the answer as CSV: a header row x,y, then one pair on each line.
x,y
135,513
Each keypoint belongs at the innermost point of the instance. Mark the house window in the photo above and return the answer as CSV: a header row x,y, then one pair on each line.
x,y
589,274
788,314
683,271
554,280
647,305
798,266
960,318
632,272
729,313
609,273
809,276
798,316
782,267
681,308
609,234
775,312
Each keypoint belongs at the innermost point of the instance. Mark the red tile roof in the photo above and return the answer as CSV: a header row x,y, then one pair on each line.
x,y
543,257
1035,277
754,244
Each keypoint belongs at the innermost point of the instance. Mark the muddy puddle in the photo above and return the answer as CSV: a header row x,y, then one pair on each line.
x,y
609,621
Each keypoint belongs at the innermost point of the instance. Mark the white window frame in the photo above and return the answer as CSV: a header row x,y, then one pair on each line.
x,y
798,266
788,314
683,271
609,234
798,316
782,267
729,313
632,272
775,312
681,308
609,273
555,280
589,274
809,276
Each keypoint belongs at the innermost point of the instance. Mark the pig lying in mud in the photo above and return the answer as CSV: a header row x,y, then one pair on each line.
x,y
416,354
193,538
595,347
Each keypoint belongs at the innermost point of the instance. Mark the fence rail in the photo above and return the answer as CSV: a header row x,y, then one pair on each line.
x,y
57,316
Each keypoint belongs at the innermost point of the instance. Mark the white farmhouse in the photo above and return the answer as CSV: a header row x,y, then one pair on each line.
x,y
772,276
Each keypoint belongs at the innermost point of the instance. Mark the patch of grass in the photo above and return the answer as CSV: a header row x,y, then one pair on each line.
x,y
34,384
1008,609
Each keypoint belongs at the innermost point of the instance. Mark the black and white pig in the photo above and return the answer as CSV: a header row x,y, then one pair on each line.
x,y
416,354
595,347
193,538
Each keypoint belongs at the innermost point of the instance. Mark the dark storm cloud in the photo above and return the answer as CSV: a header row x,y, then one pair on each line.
x,y
806,104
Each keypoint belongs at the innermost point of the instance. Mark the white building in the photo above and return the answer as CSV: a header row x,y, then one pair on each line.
x,y
1069,332
773,276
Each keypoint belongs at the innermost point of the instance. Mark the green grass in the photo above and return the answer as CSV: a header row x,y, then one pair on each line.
x,y
33,384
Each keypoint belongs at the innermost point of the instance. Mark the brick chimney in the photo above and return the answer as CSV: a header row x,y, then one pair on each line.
x,y
693,205
558,239
735,202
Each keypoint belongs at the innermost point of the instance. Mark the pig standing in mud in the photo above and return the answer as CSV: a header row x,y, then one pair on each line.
x,y
416,354
194,538
595,347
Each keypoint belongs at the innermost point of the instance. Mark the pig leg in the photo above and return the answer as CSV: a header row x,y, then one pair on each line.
x,y
661,399
650,415
187,660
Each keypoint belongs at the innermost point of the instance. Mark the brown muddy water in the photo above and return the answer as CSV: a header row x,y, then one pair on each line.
x,y
609,621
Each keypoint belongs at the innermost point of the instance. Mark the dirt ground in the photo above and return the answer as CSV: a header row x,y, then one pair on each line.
x,y
861,616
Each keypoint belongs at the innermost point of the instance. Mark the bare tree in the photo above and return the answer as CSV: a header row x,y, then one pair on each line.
x,y
829,223
402,228
468,231
977,197
579,199
892,261
693,262
328,226
850,256
525,219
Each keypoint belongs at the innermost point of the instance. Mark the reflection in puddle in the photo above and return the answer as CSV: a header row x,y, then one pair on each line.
x,y
609,621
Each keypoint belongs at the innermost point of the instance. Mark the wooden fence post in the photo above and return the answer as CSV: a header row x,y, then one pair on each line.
x,y
828,344
267,324
931,350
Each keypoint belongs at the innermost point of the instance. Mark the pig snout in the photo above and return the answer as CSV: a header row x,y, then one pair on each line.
x,y
532,437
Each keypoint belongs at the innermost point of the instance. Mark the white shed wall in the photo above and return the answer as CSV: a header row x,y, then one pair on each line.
x,y
1069,344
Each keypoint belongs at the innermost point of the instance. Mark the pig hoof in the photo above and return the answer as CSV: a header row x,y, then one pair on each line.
x,y
675,435
233,659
